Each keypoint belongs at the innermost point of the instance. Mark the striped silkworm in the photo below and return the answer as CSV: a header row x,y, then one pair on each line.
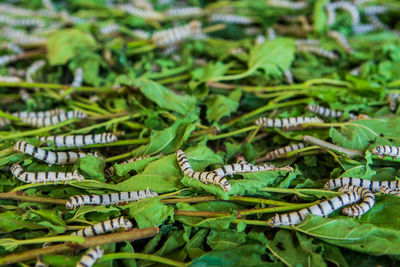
x,y
288,4
109,172
104,227
109,29
27,22
146,14
387,151
325,112
317,51
174,35
7,59
204,177
4,122
371,185
78,78
244,167
109,199
21,38
359,209
341,40
393,99
323,208
50,157
374,10
44,177
9,79
231,19
37,65
90,257
184,11
80,140
286,122
349,7
281,152
363,28
389,191
55,119
38,114
40,262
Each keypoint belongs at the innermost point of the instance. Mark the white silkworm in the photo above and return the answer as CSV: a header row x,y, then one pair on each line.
x,y
38,114
280,152
170,50
4,122
9,79
323,208
141,34
50,157
15,11
80,140
374,10
109,172
20,37
172,36
90,257
184,11
12,47
25,95
317,50
7,59
393,99
108,199
44,177
29,22
143,4
37,65
288,76
204,177
53,120
325,112
363,28
286,122
288,4
104,227
78,78
245,167
341,40
371,185
349,7
308,42
389,191
389,151
109,29
231,18
146,14
359,209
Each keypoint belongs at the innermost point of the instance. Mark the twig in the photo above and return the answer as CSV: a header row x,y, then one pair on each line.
x,y
130,235
338,149
20,196
189,200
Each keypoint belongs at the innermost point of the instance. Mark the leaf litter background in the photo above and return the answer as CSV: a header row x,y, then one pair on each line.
x,y
204,98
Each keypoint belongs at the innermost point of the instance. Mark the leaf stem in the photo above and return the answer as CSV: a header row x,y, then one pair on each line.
x,y
275,209
250,128
20,196
351,153
142,256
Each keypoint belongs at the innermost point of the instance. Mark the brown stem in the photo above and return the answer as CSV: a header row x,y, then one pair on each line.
x,y
207,214
351,153
20,196
32,53
130,235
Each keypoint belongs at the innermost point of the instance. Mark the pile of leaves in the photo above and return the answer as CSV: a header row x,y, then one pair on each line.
x,y
202,96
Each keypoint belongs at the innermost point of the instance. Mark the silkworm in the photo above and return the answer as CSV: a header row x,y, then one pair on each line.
x,y
78,78
355,71
109,29
20,37
104,227
393,100
9,79
204,177
146,14
308,42
389,191
39,262
374,10
177,34
288,76
317,50
323,208
260,39
349,7
48,156
390,151
108,199
359,209
271,33
44,177
38,114
16,11
371,185
7,59
325,112
184,11
21,22
80,140
4,122
48,5
244,167
288,4
109,172
278,153
53,120
141,34
144,4
90,257
286,122
363,28
231,18
37,65
341,40
12,47
25,95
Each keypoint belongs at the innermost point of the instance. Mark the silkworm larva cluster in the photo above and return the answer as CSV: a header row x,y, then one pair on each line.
x,y
50,157
78,78
44,177
286,122
317,51
204,177
55,119
373,186
288,4
278,153
90,257
323,208
172,36
105,227
108,199
387,151
341,40
109,172
230,18
80,140
359,209
37,65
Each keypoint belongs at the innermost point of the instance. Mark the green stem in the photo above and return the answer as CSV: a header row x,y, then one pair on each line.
x,y
251,222
107,123
57,86
301,192
250,128
276,209
259,200
118,157
141,256
118,143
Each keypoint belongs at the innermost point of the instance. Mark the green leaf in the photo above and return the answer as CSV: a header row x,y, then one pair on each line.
x,y
320,17
92,168
66,44
139,165
194,247
225,240
150,212
219,106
